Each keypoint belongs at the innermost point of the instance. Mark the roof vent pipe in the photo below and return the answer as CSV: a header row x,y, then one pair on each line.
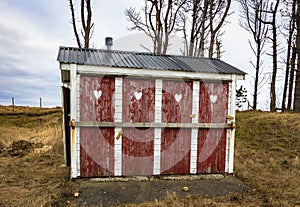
x,y
109,42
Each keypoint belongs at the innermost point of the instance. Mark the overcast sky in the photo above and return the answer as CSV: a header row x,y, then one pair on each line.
x,y
31,32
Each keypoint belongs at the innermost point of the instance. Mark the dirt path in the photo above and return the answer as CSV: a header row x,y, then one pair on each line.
x,y
93,193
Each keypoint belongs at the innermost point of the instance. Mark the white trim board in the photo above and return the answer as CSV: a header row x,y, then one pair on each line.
x,y
155,73
194,133
74,116
157,131
118,130
232,98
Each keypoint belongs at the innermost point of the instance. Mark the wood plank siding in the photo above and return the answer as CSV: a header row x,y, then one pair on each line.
x,y
176,142
138,143
213,108
96,144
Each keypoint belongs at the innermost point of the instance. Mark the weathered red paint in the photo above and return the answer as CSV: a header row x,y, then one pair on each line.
x,y
176,143
96,152
212,142
96,144
137,143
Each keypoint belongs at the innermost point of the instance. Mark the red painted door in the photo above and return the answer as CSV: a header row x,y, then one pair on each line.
x,y
138,143
176,142
96,144
212,142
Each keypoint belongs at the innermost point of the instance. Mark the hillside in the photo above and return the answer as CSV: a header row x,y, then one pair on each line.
x,y
32,171
31,157
267,155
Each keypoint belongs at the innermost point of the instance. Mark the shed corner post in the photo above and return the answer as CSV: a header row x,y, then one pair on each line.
x,y
231,111
74,96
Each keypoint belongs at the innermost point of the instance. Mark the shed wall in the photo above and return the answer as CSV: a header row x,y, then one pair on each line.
x,y
150,151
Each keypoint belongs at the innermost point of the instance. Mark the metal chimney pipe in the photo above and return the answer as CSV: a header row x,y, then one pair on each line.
x,y
109,42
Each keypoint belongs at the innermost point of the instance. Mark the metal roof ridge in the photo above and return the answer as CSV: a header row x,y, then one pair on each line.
x,y
135,52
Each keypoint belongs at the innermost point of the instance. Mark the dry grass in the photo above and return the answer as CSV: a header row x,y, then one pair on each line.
x,y
38,178
233,200
266,158
30,124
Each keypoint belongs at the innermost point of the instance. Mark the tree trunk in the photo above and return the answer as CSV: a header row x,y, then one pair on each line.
x,y
89,25
202,41
287,71
211,44
74,24
193,30
297,87
274,74
288,58
297,83
86,24
256,76
291,80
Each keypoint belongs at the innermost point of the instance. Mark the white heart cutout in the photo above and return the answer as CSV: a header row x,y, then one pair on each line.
x,y
213,98
97,94
178,97
138,95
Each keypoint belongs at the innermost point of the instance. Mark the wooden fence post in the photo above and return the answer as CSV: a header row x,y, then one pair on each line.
x,y
13,103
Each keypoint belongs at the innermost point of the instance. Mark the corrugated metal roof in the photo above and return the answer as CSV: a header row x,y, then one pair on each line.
x,y
113,58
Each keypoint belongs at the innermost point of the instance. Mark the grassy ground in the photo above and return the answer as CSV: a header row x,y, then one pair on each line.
x,y
267,156
31,172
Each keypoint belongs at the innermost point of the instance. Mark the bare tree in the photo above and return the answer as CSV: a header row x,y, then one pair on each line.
x,y
157,21
201,22
291,78
297,83
218,11
272,12
289,14
193,23
87,26
252,14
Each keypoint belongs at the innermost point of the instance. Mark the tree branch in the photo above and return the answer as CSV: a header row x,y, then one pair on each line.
x,y
74,24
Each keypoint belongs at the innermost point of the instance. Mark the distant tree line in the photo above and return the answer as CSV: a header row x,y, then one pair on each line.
x,y
201,22
266,21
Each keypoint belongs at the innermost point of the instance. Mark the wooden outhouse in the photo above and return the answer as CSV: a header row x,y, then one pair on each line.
x,y
143,114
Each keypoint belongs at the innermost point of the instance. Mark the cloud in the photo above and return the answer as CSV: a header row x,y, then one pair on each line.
x,y
28,58
30,35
